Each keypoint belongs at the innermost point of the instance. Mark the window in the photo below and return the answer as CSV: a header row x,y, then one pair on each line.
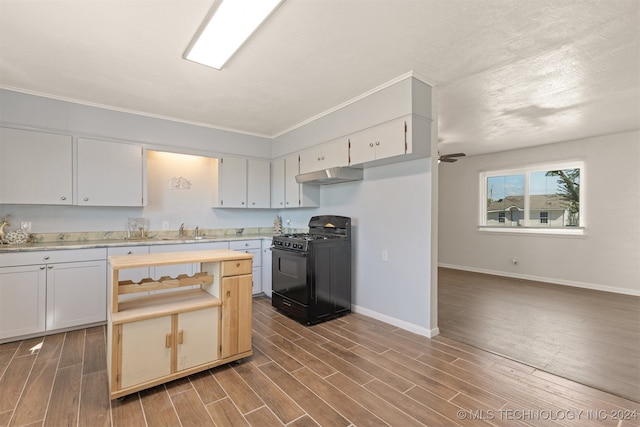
x,y
538,198
544,217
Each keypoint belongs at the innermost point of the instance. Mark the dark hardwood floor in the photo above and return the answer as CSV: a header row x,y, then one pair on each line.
x,y
352,371
588,336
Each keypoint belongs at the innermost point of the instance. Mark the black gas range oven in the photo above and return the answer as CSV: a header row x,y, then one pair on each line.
x,y
311,272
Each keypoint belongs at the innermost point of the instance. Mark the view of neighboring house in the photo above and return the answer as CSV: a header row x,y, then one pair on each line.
x,y
550,210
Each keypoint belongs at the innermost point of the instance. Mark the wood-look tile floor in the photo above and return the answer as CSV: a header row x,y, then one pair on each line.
x,y
589,336
352,371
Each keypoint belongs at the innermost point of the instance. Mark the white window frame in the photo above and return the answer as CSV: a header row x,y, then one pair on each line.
x,y
530,229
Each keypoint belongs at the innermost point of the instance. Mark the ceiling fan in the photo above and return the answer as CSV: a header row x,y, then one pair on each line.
x,y
450,158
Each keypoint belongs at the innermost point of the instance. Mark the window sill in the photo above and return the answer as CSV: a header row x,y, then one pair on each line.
x,y
577,231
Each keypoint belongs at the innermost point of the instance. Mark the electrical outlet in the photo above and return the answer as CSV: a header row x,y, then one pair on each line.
x,y
385,255
165,225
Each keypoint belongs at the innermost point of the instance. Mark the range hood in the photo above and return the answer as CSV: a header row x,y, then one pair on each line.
x,y
330,176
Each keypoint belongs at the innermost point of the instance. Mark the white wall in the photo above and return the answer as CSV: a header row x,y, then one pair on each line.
x,y
607,258
390,210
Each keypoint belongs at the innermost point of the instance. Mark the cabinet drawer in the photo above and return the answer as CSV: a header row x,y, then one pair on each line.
x,y
236,267
235,245
49,257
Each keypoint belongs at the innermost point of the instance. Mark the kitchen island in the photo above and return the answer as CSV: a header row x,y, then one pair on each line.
x,y
163,329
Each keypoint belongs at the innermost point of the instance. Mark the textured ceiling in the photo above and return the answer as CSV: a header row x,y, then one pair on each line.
x,y
510,73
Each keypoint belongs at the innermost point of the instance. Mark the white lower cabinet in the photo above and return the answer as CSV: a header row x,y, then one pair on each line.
x,y
50,290
253,247
76,294
266,267
23,295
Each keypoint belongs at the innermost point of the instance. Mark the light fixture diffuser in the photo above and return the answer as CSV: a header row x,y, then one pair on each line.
x,y
227,26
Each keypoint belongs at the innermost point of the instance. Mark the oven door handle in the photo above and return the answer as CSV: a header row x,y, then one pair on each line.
x,y
293,253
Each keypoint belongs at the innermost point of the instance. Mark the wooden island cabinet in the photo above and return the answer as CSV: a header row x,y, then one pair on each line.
x,y
175,326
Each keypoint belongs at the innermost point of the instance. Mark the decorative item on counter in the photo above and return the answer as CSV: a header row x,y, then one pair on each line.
x,y
3,223
277,225
136,228
16,237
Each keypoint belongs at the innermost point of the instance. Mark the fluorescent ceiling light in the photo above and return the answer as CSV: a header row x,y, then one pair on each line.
x,y
228,25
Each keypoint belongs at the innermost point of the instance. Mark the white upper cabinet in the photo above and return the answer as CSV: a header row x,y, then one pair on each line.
x,y
379,142
285,190
35,167
110,173
277,184
241,183
230,182
324,156
258,184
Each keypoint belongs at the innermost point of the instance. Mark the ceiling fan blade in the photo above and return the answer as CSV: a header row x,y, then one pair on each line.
x,y
454,155
447,160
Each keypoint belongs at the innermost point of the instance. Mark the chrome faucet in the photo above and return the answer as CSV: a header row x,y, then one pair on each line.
x,y
181,230
197,231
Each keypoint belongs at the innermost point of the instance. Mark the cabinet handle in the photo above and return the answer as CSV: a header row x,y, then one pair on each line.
x,y
167,340
377,142
228,294
237,265
253,203
46,257
42,267
49,267
180,336
129,253
86,199
63,198
371,144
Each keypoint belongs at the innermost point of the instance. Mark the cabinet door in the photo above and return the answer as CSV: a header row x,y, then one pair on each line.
x,y
378,142
236,314
76,294
277,183
232,183
35,168
145,350
391,136
258,184
266,267
291,186
197,337
22,300
335,153
110,173
311,159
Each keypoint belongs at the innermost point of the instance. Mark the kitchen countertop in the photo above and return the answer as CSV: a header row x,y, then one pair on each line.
x,y
105,243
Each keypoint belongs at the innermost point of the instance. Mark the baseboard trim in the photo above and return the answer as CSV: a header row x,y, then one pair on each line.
x,y
593,286
429,333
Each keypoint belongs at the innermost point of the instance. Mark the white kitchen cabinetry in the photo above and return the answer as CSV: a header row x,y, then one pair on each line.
x,y
241,183
380,142
258,184
63,288
110,173
266,267
324,156
253,247
277,184
285,190
23,293
35,167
